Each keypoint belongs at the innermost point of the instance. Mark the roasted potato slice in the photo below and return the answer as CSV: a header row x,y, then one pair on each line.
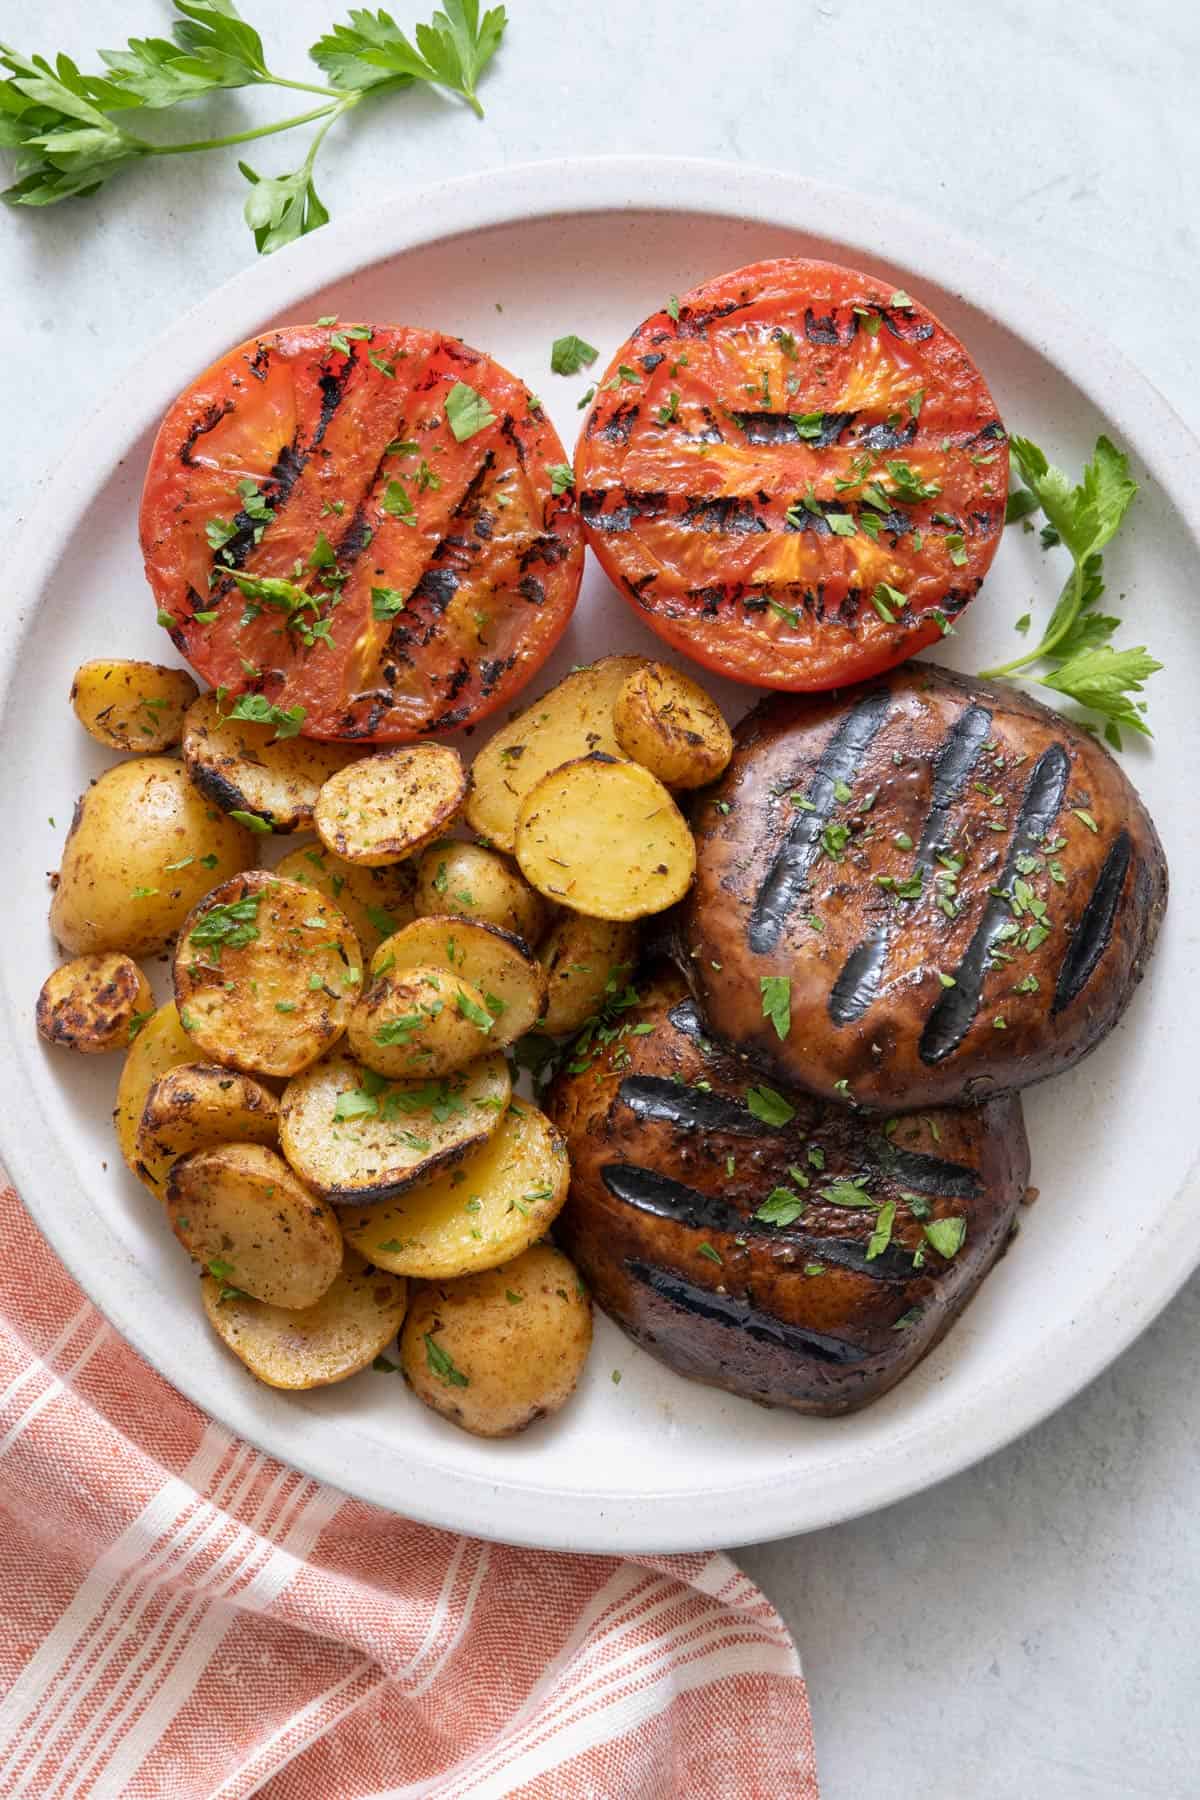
x,y
417,1022
128,705
143,847
503,968
605,838
499,1200
245,767
376,901
196,1105
665,721
240,1211
355,1319
572,720
585,960
160,1044
353,1136
474,883
266,974
385,807
495,1351
92,1003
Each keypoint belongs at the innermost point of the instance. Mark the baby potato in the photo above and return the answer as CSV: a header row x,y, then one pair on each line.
x,y
143,847
573,718
196,1105
665,721
581,956
243,766
493,1352
475,883
500,1199
128,705
358,1139
160,1044
419,1021
91,1003
266,974
239,1210
501,966
605,838
387,806
376,901
355,1319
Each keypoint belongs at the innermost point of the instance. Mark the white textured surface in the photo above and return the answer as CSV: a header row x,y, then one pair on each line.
x,y
1028,1627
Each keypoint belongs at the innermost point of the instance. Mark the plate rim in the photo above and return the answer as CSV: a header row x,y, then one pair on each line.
x,y
1072,1353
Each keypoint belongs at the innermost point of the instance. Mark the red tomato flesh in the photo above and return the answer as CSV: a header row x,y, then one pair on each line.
x,y
420,579
798,481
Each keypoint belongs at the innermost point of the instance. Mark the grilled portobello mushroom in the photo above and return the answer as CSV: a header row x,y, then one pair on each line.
x,y
960,889
772,1244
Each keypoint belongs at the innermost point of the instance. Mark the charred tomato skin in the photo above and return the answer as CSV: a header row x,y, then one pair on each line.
x,y
743,434
443,570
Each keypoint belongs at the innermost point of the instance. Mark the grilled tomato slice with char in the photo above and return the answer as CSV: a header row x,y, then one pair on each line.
x,y
362,521
795,474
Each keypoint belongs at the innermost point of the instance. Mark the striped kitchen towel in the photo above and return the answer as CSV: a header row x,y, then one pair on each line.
x,y
181,1616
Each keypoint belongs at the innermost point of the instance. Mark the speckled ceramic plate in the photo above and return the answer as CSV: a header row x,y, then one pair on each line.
x,y
510,260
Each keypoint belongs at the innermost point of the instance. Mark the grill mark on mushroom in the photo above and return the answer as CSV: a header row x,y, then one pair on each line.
x,y
954,1012
857,985
787,876
1095,926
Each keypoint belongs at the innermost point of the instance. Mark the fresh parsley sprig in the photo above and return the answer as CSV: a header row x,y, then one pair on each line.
x,y
1085,517
67,132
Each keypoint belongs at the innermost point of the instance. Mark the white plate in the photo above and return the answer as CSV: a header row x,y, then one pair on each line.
x,y
511,260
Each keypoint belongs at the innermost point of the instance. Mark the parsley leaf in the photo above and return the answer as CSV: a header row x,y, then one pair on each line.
x,y
765,1104
233,923
781,1207
451,52
881,1237
776,993
261,711
442,1363
467,411
946,1235
1085,517
569,354
386,602
562,477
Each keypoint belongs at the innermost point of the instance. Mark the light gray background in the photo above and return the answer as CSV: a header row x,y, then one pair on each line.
x,y
1028,1628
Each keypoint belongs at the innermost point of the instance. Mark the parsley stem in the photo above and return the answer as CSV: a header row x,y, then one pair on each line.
x,y
1074,588
306,87
259,131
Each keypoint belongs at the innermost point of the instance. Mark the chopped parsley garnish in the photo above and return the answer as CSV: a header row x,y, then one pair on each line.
x,y
467,412
252,821
397,503
881,1237
260,711
705,1249
442,1363
386,602
847,1193
233,923
776,993
475,1015
765,1104
781,1207
562,477
947,1236
569,354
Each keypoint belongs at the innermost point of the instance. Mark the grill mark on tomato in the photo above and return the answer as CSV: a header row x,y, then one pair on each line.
x,y
886,437
787,876
616,427
781,428
657,1195
906,327
740,1315
955,1010
277,489
657,1100
207,422
1095,926
824,328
